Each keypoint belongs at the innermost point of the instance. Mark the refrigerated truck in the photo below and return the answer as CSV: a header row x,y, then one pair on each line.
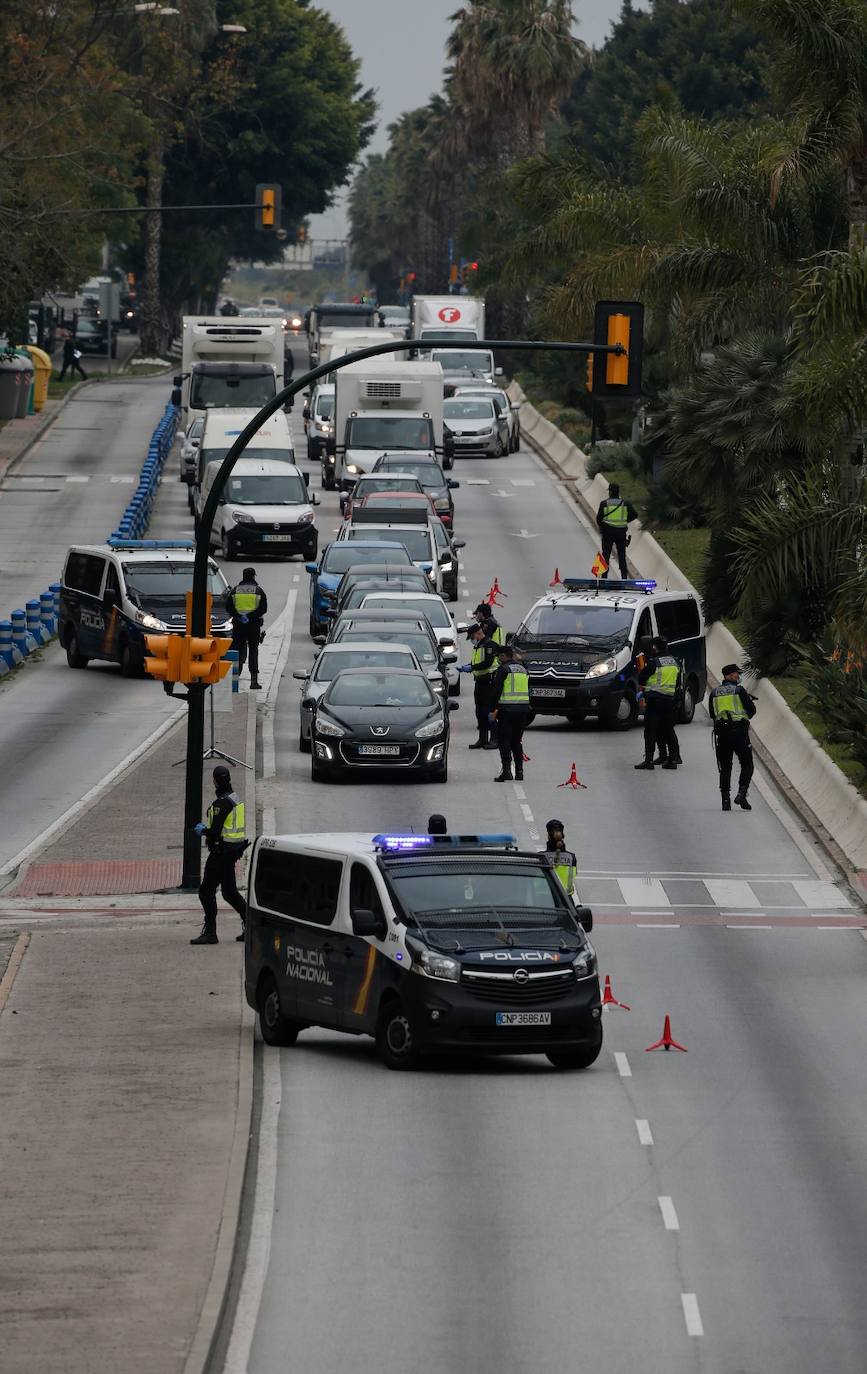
x,y
383,407
434,318
229,361
329,315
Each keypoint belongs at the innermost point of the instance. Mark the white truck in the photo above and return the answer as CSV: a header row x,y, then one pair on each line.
x,y
433,318
321,319
383,407
337,342
229,361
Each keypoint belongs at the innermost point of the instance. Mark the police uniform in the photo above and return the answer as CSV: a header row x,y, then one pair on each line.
x,y
489,623
661,680
613,517
247,605
731,710
512,687
226,838
484,666
565,865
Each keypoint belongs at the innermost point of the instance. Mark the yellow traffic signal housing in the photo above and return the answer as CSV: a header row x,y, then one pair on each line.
x,y
617,365
204,661
164,657
618,322
269,206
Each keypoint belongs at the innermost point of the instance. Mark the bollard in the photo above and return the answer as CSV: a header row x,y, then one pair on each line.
x,y
55,589
46,615
235,658
34,623
24,642
10,654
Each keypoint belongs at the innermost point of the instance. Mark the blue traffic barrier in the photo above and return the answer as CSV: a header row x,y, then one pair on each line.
x,y
55,590
235,659
47,615
34,623
10,654
24,642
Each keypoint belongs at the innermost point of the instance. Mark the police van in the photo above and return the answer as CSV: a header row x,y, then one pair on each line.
x,y
112,595
426,943
581,648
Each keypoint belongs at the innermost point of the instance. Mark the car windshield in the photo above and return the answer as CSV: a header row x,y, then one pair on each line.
x,y
469,410
89,327
579,623
261,489
434,609
428,475
413,639
389,431
355,595
324,407
330,662
263,455
248,393
339,557
367,485
480,895
165,585
416,542
455,360
380,689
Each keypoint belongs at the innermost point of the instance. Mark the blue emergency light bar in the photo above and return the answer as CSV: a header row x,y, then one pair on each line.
x,y
397,843
609,584
133,544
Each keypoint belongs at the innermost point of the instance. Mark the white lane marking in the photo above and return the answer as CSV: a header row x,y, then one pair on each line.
x,y
505,495
691,1314
296,577
643,892
656,912
519,791
527,813
523,534
750,927
127,481
282,626
461,577
522,482
622,1064
478,482
729,892
661,925
669,1215
78,479
820,894
680,875
645,1134
259,1248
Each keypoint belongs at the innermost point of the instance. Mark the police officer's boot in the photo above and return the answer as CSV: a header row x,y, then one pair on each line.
x,y
741,801
481,742
726,804
208,935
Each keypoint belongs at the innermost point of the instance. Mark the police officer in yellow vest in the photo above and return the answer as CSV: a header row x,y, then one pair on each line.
x,y
613,517
661,677
731,710
483,666
563,861
513,714
247,605
489,623
225,836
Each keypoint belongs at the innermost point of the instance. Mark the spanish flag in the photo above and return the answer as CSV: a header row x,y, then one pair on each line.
x,y
600,567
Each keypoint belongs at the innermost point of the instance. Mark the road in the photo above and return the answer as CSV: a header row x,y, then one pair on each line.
x,y
698,1212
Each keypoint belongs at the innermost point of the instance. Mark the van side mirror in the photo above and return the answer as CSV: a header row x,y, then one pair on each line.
x,y
370,923
305,414
314,500
585,917
452,484
498,372
176,396
178,379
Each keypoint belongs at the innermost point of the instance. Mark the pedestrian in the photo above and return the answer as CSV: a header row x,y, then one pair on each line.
x,y
731,710
493,629
613,517
247,605
563,861
226,840
661,677
513,714
483,666
72,359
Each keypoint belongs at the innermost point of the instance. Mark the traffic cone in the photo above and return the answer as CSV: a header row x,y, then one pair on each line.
x,y
608,998
497,590
667,1042
573,780
491,598
526,757
556,580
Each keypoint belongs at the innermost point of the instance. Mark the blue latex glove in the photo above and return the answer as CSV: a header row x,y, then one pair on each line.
x,y
465,668
200,828
245,619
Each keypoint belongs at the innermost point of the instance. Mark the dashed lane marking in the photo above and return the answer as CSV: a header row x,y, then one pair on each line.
x,y
669,1215
645,1135
731,892
691,1314
622,1064
657,925
522,482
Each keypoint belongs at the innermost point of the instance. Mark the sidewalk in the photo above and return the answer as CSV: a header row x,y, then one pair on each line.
x,y
17,436
125,1077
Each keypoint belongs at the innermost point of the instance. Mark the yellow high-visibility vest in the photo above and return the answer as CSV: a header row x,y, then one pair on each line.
x,y
234,828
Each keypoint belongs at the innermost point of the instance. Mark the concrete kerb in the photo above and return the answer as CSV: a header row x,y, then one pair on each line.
x,y
836,812
15,960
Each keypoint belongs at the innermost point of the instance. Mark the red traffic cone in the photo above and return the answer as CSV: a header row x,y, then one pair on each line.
x,y
608,998
556,580
497,590
573,780
491,598
526,757
667,1042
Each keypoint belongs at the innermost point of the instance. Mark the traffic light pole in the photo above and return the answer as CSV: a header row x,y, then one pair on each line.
x,y
196,690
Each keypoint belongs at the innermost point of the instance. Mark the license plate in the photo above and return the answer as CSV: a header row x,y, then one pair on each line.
x,y
379,750
548,691
523,1018
276,538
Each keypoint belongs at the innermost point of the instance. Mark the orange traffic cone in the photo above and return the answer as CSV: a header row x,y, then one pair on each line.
x,y
556,580
667,1042
573,780
608,998
497,590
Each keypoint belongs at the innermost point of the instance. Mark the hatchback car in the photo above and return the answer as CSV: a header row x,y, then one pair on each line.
x,y
380,719
505,406
333,659
478,429
391,629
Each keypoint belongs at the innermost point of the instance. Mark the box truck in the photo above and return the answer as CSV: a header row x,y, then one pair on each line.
x,y
433,318
336,315
237,362
384,407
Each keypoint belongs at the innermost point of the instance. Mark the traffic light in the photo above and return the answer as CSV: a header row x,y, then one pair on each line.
x,y
163,659
202,659
269,206
618,322
302,233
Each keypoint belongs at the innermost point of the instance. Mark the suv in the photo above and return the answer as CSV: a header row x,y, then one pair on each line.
x,y
456,943
580,648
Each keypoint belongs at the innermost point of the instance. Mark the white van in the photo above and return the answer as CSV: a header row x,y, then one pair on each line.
x,y
222,427
265,508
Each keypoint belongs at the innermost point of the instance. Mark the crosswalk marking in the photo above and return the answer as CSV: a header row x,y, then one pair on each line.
x,y
818,894
128,481
643,892
729,892
753,895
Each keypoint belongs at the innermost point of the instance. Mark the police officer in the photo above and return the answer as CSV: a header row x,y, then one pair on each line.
x,y
226,839
563,860
483,665
437,824
513,714
247,605
731,710
613,517
661,679
492,627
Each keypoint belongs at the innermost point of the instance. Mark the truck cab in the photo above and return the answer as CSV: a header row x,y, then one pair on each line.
x,y
383,408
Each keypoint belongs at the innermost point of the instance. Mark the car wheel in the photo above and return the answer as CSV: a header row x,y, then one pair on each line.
x,y
327,479
580,1058
276,1028
452,594
314,626
74,657
518,439
623,715
395,1040
687,705
304,742
129,667
226,550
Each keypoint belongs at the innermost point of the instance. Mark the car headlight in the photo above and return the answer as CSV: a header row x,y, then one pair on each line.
x,y
351,467
241,519
306,519
434,965
330,728
585,964
433,727
447,647
149,622
600,669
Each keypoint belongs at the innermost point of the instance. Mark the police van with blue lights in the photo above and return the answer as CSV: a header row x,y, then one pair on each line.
x,y
580,647
112,595
428,943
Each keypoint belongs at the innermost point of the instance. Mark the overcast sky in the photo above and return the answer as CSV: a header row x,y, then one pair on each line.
x,y
401,44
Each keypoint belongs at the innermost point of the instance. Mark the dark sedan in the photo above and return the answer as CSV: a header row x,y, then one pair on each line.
x,y
388,719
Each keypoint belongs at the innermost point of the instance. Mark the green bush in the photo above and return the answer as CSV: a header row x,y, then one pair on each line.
x,y
614,457
836,689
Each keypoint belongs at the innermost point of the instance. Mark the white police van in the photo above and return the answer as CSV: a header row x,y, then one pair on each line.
x,y
458,943
112,595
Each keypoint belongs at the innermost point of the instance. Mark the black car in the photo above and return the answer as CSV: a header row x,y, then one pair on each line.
x,y
419,637
382,577
431,479
91,336
375,719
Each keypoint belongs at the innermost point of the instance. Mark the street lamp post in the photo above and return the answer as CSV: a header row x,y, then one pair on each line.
x,y
196,691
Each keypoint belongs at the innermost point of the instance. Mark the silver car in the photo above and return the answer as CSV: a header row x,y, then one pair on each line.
x,y
331,660
478,429
189,450
504,404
